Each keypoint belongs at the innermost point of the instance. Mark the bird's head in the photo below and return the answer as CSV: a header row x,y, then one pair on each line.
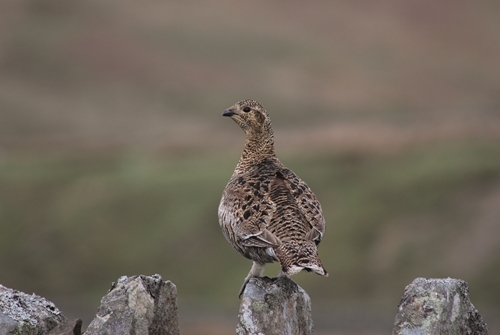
x,y
250,116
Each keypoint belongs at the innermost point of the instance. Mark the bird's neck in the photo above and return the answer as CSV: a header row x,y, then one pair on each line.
x,y
258,147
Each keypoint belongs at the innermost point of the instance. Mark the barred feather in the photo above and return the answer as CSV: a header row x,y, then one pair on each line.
x,y
267,213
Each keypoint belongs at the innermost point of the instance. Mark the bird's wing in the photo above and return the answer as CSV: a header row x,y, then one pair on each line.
x,y
307,203
245,212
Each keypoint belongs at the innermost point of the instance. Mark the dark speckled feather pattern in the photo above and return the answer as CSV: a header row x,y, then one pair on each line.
x,y
267,213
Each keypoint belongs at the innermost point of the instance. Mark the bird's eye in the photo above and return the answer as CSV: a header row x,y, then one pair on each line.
x,y
247,109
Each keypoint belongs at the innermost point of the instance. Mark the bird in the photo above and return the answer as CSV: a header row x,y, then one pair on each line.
x,y
267,213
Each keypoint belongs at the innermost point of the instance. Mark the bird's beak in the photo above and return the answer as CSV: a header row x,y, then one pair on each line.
x,y
228,112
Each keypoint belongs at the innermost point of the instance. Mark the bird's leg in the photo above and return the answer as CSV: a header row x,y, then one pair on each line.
x,y
257,270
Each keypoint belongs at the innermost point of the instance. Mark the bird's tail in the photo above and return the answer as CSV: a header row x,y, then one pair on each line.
x,y
295,257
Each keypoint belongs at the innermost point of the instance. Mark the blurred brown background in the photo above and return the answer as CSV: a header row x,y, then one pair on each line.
x,y
114,154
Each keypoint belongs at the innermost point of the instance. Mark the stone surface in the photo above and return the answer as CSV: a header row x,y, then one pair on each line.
x,y
25,314
70,327
274,306
438,306
137,305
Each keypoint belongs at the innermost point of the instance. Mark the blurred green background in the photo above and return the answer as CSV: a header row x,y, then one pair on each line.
x,y
114,154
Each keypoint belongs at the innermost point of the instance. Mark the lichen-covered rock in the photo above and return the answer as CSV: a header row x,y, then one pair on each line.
x,y
137,305
274,306
25,314
438,307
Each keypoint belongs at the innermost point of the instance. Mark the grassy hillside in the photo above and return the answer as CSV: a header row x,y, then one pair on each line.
x,y
100,75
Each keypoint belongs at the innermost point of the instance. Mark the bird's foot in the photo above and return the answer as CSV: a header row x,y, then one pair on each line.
x,y
257,270
242,289
282,274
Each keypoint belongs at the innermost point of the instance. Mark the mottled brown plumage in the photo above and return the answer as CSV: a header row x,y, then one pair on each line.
x,y
267,213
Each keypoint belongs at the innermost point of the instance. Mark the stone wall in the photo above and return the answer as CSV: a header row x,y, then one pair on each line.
x,y
147,305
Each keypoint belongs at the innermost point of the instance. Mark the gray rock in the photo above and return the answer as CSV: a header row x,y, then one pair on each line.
x,y
71,327
274,306
25,314
438,306
7,324
137,305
